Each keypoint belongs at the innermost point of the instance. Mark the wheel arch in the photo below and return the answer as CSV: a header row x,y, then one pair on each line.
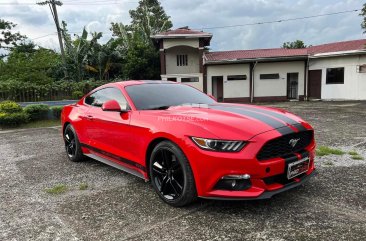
x,y
149,150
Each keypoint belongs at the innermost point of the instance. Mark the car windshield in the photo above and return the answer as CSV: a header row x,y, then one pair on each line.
x,y
162,96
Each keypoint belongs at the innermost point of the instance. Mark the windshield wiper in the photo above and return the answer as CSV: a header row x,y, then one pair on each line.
x,y
164,107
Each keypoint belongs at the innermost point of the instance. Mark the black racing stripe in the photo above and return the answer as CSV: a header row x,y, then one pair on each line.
x,y
118,158
279,126
290,158
279,116
304,154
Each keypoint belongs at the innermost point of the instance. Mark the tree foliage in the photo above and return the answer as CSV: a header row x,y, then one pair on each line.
x,y
149,18
363,14
28,64
32,73
8,38
297,44
141,56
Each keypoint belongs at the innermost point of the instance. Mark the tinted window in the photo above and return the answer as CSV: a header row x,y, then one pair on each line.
x,y
269,76
236,77
150,96
192,79
335,76
99,97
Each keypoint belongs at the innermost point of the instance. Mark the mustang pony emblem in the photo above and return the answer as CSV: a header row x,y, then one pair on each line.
x,y
293,142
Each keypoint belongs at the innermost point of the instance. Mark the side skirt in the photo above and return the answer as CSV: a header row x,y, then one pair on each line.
x,y
115,165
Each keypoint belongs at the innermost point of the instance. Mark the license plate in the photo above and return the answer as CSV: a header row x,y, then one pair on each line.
x,y
297,168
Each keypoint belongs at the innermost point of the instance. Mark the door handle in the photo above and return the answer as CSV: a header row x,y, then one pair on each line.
x,y
89,117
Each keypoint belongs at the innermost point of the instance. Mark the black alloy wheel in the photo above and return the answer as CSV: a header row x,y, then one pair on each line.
x,y
171,175
72,144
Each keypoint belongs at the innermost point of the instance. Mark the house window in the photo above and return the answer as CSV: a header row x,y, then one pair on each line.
x,y
362,68
335,76
269,76
236,77
182,60
192,79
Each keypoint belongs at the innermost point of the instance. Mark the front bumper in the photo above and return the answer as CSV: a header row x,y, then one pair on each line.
x,y
267,178
269,194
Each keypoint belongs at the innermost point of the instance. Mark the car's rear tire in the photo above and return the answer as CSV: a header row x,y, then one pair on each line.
x,y
72,145
171,175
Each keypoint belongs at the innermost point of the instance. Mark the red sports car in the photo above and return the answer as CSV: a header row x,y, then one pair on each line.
x,y
187,144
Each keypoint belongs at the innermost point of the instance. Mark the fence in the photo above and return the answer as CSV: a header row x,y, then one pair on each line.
x,y
58,90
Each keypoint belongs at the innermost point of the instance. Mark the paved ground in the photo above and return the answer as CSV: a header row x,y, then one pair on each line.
x,y
119,206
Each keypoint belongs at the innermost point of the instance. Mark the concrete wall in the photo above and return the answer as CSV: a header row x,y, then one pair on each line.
x,y
277,87
354,87
233,88
171,60
168,43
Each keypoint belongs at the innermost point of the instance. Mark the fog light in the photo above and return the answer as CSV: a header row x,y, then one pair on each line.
x,y
237,177
234,183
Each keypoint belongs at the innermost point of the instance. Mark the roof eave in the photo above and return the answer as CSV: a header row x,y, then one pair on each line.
x,y
250,60
339,53
181,36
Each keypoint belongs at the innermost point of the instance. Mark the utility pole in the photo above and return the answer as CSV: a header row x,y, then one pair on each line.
x,y
52,5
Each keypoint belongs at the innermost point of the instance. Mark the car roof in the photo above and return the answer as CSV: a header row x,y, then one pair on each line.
x,y
140,82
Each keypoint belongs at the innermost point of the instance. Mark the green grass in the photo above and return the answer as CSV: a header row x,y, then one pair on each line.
x,y
325,150
357,157
57,189
83,186
36,124
353,153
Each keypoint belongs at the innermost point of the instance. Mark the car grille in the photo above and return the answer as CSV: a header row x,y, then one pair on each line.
x,y
281,147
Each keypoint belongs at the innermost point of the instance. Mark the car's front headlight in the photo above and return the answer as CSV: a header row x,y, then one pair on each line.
x,y
219,145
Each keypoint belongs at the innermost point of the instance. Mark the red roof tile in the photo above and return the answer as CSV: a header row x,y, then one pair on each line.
x,y
280,52
182,31
338,47
254,54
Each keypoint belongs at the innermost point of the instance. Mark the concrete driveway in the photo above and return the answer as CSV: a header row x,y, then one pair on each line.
x,y
118,206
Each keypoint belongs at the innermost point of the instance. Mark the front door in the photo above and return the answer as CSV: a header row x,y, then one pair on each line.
x,y
109,131
315,84
292,85
218,88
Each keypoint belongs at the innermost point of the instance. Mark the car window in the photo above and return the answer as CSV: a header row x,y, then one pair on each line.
x,y
99,97
153,96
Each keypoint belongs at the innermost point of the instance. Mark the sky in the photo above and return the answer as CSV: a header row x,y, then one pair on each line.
x,y
96,15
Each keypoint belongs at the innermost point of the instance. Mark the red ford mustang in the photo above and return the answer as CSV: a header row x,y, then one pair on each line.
x,y
187,144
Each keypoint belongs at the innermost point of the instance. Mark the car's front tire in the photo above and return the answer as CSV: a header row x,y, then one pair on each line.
x,y
171,175
72,144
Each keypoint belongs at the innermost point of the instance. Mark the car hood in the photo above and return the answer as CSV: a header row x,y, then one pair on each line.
x,y
233,121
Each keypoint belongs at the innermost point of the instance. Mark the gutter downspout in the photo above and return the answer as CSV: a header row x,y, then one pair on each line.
x,y
252,80
306,79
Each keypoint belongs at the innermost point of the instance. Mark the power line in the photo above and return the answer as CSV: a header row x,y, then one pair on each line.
x,y
280,20
108,2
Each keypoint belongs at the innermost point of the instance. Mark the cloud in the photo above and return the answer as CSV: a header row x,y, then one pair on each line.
x,y
36,21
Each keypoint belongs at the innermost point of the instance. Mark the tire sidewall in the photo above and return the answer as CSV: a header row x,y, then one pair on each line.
x,y
78,154
167,145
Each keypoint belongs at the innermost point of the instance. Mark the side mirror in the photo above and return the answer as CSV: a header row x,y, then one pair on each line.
x,y
112,105
212,97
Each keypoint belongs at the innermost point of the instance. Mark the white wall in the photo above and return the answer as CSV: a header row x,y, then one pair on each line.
x,y
168,43
354,87
233,88
171,60
277,87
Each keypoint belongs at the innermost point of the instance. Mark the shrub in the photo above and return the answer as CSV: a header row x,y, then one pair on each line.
x,y
10,107
56,111
13,119
77,94
37,111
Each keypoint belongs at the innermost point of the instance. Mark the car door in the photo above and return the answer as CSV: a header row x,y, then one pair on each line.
x,y
109,131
